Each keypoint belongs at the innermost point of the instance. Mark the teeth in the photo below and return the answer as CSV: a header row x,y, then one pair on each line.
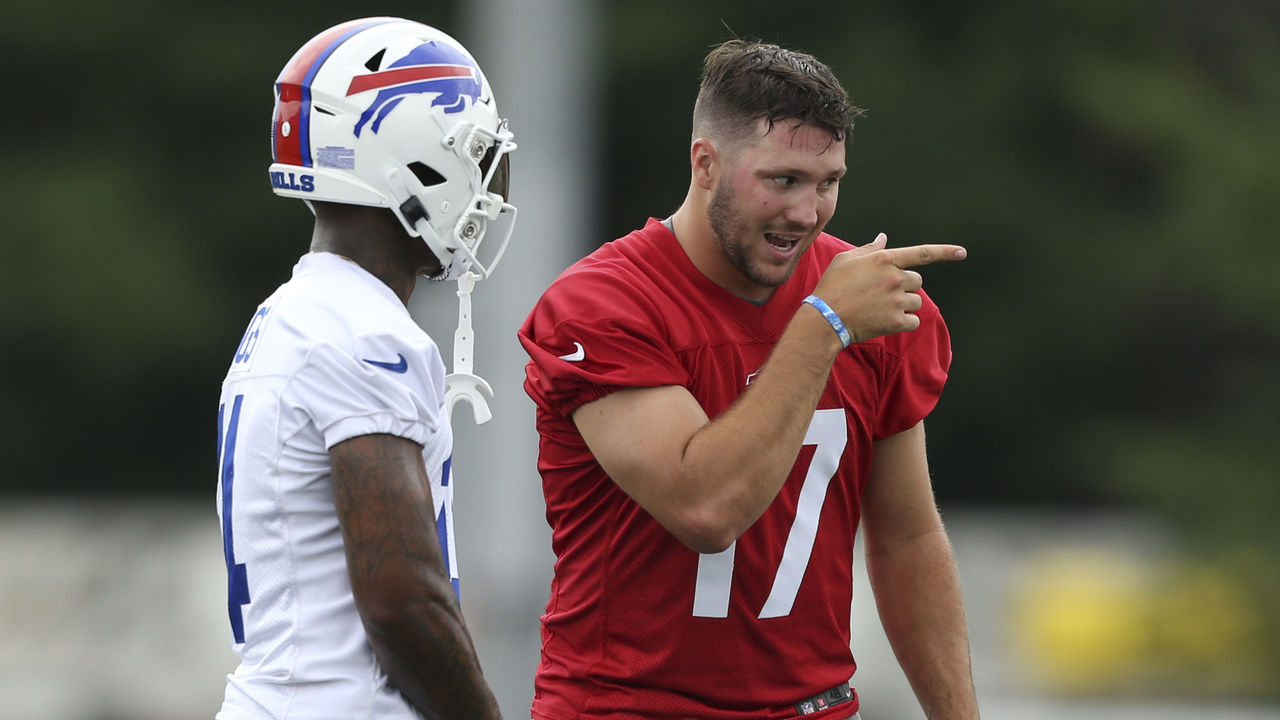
x,y
779,241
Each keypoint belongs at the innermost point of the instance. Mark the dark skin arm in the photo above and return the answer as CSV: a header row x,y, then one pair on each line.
x,y
398,577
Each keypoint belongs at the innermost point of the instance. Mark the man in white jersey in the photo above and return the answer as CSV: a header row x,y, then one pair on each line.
x,y
334,445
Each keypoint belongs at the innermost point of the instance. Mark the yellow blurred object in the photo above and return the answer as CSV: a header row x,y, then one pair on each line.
x,y
1207,626
1097,621
1082,619
1202,618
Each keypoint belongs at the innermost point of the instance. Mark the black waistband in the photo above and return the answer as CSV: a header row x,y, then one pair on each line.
x,y
837,695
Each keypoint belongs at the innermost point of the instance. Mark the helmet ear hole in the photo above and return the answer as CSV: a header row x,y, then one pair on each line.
x,y
426,174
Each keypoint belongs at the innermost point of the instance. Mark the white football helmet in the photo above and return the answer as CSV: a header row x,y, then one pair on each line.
x,y
393,113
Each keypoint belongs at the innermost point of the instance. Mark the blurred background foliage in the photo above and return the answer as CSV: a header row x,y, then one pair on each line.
x,y
1112,167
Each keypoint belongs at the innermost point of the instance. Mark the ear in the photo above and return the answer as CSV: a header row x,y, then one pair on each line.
x,y
705,162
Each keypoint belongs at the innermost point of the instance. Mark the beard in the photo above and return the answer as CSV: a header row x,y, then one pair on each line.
x,y
733,236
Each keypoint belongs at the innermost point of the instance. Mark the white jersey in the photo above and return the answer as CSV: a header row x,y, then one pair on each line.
x,y
331,355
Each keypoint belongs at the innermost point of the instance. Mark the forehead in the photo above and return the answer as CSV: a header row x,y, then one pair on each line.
x,y
792,144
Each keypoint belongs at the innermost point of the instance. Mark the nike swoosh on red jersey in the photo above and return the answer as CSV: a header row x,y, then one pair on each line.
x,y
578,354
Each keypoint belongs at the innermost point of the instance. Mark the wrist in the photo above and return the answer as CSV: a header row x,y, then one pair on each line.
x,y
837,325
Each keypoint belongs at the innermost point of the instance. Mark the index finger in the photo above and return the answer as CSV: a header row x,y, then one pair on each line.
x,y
905,257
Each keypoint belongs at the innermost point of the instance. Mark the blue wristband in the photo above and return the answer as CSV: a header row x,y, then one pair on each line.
x,y
832,318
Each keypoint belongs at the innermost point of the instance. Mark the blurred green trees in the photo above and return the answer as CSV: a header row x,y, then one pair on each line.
x,y
139,227
1112,167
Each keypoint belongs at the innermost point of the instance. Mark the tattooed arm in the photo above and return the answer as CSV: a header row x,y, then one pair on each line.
x,y
397,569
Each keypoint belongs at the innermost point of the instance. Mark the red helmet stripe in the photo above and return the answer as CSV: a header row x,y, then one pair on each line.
x,y
400,76
293,91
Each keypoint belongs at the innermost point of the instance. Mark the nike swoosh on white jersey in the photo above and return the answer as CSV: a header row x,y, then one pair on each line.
x,y
577,355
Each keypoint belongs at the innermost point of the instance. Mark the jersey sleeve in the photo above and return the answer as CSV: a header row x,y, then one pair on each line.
x,y
915,381
380,386
593,333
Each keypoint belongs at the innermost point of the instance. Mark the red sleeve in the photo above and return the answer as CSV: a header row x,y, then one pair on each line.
x,y
915,380
595,331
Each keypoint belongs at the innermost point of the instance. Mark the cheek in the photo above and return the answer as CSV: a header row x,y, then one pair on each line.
x,y
827,206
760,201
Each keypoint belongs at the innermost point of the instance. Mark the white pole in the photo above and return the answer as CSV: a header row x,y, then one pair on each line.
x,y
541,58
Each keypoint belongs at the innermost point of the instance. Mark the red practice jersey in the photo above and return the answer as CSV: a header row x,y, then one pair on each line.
x,y
638,625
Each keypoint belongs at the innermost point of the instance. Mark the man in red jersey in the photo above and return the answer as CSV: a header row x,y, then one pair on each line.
x,y
723,398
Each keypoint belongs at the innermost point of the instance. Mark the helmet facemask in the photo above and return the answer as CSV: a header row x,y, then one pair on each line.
x,y
456,238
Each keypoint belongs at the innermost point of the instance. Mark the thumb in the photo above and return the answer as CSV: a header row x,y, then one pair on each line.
x,y
879,243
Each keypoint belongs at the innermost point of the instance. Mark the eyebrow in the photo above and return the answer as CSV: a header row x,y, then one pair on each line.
x,y
800,173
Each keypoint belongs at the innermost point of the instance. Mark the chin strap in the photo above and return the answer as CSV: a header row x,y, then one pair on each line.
x,y
461,384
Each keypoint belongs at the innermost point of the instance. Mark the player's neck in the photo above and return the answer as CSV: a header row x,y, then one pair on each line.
x,y
400,284
694,235
381,256
698,239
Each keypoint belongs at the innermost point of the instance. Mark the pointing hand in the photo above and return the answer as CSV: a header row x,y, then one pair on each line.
x,y
872,290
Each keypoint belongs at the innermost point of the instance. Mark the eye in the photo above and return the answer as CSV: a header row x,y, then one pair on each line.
x,y
828,183
785,181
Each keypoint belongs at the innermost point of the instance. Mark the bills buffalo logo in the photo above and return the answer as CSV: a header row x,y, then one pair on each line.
x,y
428,68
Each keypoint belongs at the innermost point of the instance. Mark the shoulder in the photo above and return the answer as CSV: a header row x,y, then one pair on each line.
x,y
336,301
329,306
630,258
617,275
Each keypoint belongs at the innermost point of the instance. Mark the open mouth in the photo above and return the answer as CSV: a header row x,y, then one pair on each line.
x,y
781,242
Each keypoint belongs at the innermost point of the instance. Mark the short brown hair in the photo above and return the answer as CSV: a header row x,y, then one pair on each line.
x,y
744,81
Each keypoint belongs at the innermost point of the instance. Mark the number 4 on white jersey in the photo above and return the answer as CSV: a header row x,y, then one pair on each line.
x,y
827,430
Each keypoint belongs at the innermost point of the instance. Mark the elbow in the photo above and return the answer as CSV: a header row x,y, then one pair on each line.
x,y
382,616
706,543
704,512
709,544
703,530
389,610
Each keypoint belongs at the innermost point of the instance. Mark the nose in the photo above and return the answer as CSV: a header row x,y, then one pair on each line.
x,y
803,210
